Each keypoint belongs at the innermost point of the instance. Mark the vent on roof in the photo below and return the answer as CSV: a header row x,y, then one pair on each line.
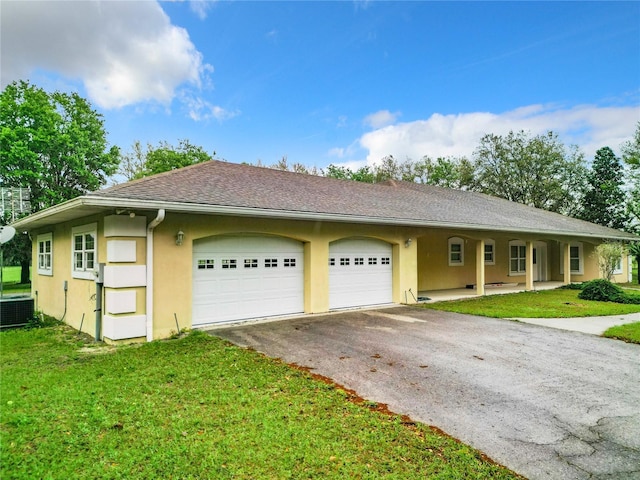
x,y
390,183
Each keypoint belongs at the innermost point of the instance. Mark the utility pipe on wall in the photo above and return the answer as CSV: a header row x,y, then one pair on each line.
x,y
149,289
99,284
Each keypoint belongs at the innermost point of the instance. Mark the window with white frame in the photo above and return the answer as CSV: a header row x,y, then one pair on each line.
x,y
617,270
84,253
489,252
456,252
45,254
576,259
517,258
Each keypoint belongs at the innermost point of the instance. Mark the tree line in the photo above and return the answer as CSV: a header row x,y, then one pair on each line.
x,y
535,170
55,144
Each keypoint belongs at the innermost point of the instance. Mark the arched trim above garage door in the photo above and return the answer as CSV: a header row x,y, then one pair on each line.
x,y
246,276
360,273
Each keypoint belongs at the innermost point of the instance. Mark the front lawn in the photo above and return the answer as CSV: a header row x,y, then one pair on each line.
x,y
629,332
197,407
557,303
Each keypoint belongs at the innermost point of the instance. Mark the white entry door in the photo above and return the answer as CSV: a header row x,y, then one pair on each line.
x,y
539,262
243,277
360,273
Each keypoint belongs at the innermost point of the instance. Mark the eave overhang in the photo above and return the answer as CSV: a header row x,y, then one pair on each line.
x,y
90,205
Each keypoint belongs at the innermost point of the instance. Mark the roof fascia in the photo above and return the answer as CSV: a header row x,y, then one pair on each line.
x,y
25,222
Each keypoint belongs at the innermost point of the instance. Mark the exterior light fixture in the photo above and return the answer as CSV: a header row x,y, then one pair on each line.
x,y
408,242
120,211
179,237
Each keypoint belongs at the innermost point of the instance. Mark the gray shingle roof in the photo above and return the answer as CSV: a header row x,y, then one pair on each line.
x,y
216,183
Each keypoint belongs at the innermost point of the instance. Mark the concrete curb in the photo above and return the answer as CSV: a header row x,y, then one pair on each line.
x,y
592,325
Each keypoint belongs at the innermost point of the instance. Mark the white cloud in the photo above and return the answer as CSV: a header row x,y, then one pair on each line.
x,y
200,7
123,52
588,126
381,118
345,155
200,109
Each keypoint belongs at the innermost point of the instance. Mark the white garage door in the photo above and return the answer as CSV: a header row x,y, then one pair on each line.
x,y
360,273
236,278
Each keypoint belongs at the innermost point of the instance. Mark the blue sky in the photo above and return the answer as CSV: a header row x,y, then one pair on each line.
x,y
336,82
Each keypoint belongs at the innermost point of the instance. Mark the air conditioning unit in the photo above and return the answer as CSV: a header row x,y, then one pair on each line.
x,y
15,311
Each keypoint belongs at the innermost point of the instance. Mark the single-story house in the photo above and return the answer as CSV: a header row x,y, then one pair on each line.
x,y
222,242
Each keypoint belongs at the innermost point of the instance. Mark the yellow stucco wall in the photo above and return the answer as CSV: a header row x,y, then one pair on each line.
x,y
49,291
423,265
435,273
175,296
624,276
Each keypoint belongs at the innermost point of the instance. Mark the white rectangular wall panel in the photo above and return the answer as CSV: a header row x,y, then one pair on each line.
x,y
125,226
120,301
120,328
121,251
122,276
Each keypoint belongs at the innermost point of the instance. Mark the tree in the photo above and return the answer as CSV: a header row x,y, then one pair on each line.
x,y
631,156
538,171
132,163
604,199
163,158
608,255
363,174
54,144
448,172
445,172
390,169
283,164
634,250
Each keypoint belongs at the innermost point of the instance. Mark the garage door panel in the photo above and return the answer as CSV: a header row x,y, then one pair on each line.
x,y
360,273
238,278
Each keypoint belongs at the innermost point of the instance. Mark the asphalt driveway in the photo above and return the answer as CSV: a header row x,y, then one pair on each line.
x,y
546,403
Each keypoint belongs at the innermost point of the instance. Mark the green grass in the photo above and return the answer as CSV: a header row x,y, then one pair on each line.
x,y
11,281
197,407
11,274
629,332
557,303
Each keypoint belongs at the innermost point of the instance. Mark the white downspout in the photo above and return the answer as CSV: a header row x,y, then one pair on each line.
x,y
149,289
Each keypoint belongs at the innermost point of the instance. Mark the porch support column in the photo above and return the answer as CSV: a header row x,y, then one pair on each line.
x,y
567,263
316,276
480,267
529,268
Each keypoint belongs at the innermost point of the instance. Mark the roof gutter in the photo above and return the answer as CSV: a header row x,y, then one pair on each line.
x,y
149,288
197,208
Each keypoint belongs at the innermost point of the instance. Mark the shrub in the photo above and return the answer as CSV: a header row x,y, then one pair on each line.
x,y
632,299
40,320
573,286
602,290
